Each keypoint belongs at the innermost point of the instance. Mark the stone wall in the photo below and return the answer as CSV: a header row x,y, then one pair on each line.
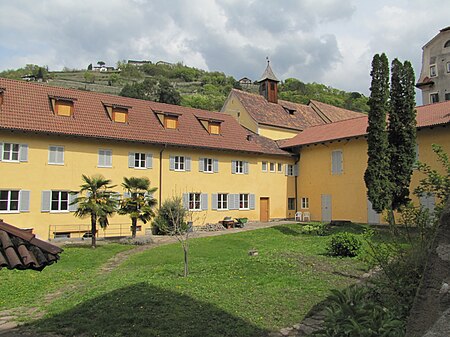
x,y
430,315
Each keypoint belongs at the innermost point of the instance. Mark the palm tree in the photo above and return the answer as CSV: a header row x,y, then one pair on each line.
x,y
139,203
95,200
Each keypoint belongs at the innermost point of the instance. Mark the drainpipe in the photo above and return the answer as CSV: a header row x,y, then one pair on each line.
x,y
296,179
160,174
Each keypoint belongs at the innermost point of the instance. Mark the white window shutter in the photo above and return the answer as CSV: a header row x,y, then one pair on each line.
x,y
23,153
286,170
186,200
204,201
24,201
201,164
215,165
149,160
233,166
172,163
251,201
214,201
45,202
74,207
187,163
130,159
245,167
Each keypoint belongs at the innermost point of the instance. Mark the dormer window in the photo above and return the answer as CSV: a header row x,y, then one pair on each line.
x,y
120,115
62,106
117,113
214,128
289,111
1,97
171,121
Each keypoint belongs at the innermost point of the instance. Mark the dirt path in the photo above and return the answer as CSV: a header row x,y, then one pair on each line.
x,y
9,326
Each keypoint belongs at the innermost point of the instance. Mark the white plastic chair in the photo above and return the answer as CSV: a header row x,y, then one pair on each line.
x,y
306,216
298,216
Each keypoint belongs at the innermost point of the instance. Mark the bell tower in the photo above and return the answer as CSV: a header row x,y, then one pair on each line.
x,y
268,85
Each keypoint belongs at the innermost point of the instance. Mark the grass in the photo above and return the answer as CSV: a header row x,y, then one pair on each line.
x,y
228,292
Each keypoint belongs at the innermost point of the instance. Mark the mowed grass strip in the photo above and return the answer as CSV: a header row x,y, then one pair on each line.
x,y
228,292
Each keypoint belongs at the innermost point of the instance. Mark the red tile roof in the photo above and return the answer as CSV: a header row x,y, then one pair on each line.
x,y
27,107
427,115
20,249
304,116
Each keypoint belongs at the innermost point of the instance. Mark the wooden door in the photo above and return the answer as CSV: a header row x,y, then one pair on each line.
x,y
326,207
264,209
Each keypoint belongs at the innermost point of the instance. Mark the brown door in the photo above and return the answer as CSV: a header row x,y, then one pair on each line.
x,y
264,209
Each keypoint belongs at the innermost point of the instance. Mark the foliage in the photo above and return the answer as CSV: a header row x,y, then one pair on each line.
x,y
377,177
352,312
402,132
296,91
435,183
89,77
344,244
139,203
152,89
95,200
30,69
318,228
167,93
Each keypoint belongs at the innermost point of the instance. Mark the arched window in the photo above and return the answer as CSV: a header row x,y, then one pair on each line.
x,y
447,44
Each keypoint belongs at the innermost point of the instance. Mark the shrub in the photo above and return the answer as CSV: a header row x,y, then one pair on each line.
x,y
320,229
170,211
344,244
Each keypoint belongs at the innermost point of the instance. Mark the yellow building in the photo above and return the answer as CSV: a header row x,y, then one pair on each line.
x,y
50,136
333,159
277,119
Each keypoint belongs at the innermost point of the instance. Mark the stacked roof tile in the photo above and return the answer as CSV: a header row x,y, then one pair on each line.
x,y
427,116
291,115
27,107
20,249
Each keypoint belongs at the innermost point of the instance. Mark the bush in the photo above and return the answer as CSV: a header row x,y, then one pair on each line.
x,y
344,244
171,211
320,229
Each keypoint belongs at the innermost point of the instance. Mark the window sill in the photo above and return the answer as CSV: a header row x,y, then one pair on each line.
x,y
10,161
104,166
57,164
9,212
58,212
244,209
179,170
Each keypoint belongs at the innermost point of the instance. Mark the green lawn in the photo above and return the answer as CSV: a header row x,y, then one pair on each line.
x,y
228,292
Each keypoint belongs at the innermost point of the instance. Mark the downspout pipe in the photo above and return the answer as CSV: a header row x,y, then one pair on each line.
x,y
160,174
296,181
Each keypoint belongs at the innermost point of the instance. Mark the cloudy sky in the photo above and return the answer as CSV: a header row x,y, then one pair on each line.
x,y
325,41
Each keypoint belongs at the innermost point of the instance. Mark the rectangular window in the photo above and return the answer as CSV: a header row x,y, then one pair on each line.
x,y
120,115
447,96
305,203
60,201
448,67
280,167
179,163
195,201
289,170
139,160
272,167
56,155
239,166
9,201
222,201
433,71
291,204
214,128
10,152
208,165
243,201
104,158
264,166
336,162
63,108
170,122
434,98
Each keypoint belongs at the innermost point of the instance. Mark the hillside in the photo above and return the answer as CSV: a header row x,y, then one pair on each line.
x,y
179,84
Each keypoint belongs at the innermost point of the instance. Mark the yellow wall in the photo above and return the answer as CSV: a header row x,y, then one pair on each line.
x,y
233,107
81,157
276,133
348,190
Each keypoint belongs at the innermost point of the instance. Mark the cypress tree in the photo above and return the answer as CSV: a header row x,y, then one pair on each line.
x,y
377,175
402,132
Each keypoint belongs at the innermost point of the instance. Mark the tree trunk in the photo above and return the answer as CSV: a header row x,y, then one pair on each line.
x,y
186,262
93,230
133,227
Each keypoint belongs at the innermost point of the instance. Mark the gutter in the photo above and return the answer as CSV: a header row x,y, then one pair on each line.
x,y
296,180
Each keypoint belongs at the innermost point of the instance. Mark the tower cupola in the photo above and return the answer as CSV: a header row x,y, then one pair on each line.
x,y
268,85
